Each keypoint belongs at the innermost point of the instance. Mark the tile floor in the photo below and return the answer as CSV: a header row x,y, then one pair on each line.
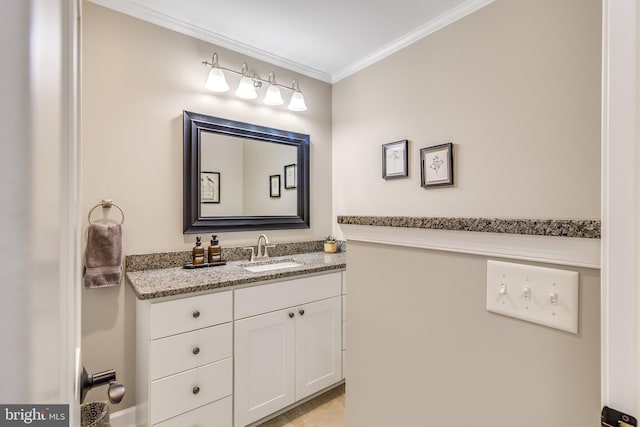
x,y
326,410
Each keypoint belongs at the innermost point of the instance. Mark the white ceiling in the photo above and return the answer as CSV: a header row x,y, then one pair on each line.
x,y
327,40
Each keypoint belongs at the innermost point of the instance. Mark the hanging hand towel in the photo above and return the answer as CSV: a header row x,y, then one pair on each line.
x,y
103,257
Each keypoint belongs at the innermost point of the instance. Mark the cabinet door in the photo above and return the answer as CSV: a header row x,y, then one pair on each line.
x,y
318,346
264,365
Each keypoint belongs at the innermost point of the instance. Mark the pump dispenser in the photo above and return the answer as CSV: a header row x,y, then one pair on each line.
x,y
198,252
214,250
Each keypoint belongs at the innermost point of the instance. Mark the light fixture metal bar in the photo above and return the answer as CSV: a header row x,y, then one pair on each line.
x,y
254,77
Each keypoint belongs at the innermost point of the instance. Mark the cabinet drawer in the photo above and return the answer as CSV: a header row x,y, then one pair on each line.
x,y
276,296
218,414
175,395
181,352
188,314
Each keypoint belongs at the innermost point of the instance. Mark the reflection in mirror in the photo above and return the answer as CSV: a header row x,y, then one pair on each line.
x,y
244,167
230,170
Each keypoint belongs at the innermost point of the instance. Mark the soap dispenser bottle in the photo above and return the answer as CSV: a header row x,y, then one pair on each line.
x,y
198,252
214,250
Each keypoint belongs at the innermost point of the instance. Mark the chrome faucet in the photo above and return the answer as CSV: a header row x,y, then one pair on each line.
x,y
263,245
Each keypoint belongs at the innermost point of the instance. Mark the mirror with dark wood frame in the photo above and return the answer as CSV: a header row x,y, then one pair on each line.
x,y
231,171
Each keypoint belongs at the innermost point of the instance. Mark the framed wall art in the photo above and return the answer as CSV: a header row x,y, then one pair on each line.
x,y
290,174
436,165
395,159
274,186
209,187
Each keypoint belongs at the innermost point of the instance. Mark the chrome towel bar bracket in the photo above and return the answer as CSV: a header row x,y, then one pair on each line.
x,y
105,203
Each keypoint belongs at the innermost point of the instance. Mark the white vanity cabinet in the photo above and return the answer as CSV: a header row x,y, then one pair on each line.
x,y
184,372
344,324
287,343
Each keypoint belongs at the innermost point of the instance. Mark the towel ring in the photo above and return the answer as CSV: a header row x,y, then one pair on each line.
x,y
106,203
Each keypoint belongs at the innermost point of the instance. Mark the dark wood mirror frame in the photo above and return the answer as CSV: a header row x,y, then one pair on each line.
x,y
193,222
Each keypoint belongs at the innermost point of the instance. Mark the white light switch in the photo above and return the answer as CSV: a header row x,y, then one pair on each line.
x,y
547,296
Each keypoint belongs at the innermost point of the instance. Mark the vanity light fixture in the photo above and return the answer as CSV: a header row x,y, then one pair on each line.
x,y
246,89
273,96
297,100
249,84
216,81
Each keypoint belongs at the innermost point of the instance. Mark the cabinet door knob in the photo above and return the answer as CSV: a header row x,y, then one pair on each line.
x,y
196,390
291,315
196,350
196,314
301,312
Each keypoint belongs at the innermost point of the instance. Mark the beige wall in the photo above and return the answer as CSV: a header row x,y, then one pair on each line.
x,y
423,351
262,161
223,155
137,78
515,86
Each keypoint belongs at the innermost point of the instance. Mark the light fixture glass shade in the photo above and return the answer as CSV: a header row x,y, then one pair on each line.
x,y
245,89
297,102
216,81
273,96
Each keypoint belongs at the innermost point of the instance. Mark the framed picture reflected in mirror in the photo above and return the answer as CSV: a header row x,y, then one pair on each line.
x,y
274,186
290,176
209,187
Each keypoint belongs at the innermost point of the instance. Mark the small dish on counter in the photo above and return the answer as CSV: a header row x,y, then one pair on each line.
x,y
190,265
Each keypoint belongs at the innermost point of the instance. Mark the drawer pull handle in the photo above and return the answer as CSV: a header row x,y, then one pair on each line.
x,y
301,312
196,314
291,315
196,390
196,350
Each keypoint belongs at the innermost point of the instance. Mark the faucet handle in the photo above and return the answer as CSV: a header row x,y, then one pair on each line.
x,y
253,254
266,254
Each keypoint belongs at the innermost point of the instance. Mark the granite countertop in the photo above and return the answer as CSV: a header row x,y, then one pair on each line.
x,y
580,228
149,284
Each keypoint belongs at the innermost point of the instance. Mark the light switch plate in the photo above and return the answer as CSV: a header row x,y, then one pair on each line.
x,y
546,296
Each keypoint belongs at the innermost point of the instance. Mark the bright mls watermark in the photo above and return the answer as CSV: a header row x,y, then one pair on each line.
x,y
34,415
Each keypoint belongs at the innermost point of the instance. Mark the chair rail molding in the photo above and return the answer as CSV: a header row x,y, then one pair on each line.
x,y
570,251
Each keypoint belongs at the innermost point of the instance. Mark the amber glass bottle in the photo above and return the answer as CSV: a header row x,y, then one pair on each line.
x,y
214,250
198,252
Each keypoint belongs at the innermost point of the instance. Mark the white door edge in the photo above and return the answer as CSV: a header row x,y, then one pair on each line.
x,y
620,221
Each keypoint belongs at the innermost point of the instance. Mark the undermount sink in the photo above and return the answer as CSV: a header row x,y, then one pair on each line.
x,y
269,266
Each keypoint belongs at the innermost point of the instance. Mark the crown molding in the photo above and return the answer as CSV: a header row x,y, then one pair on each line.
x,y
421,32
132,9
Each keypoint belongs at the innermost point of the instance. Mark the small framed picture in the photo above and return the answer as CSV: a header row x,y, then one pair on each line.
x,y
290,175
436,165
209,187
274,186
395,159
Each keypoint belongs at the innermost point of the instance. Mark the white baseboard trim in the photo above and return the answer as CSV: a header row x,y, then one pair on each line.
x,y
570,251
124,418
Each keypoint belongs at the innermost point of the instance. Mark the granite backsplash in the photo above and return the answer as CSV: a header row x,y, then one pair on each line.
x,y
178,259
